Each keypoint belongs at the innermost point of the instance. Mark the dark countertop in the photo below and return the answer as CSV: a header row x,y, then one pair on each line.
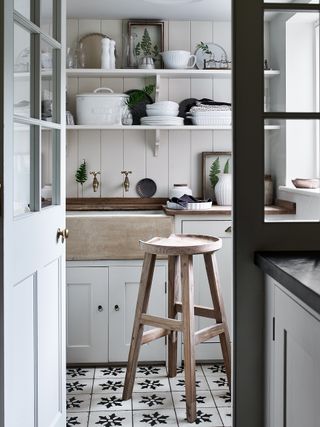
x,y
299,272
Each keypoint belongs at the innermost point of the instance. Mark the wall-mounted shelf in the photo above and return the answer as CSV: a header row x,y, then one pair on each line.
x,y
194,73
157,130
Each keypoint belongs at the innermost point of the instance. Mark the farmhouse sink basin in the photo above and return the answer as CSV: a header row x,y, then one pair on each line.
x,y
97,235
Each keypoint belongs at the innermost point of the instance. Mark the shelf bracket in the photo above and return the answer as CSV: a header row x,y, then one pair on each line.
x,y
157,143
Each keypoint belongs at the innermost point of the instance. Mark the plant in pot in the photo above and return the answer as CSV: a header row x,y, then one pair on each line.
x,y
221,183
135,104
149,51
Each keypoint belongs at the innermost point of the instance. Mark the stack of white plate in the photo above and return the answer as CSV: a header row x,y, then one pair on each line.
x,y
163,108
162,121
162,113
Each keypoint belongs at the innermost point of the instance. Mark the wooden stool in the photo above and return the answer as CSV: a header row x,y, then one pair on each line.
x,y
180,249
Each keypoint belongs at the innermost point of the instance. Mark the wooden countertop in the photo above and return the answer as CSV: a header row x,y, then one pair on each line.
x,y
281,207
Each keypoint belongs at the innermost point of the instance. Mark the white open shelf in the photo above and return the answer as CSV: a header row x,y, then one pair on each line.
x,y
194,73
140,127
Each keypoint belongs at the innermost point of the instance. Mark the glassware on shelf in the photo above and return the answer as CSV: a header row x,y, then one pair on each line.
x,y
129,59
81,56
70,58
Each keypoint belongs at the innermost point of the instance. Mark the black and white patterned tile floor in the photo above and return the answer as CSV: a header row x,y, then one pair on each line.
x,y
94,398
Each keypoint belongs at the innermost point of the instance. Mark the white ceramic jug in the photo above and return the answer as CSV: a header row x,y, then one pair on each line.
x,y
223,190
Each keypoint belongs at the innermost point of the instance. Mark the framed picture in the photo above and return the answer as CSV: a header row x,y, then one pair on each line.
x,y
208,157
148,36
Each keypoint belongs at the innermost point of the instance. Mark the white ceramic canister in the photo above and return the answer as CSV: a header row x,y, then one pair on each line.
x,y
223,190
112,53
178,190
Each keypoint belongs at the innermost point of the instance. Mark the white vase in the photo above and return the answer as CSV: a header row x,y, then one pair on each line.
x,y
223,190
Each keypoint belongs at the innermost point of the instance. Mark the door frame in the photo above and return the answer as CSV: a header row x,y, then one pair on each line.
x,y
251,233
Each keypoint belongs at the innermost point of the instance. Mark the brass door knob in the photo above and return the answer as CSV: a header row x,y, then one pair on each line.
x,y
63,233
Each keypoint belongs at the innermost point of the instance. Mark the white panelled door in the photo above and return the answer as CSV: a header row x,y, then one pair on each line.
x,y
33,211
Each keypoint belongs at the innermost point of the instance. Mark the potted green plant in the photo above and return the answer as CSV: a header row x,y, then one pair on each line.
x,y
149,51
135,97
81,175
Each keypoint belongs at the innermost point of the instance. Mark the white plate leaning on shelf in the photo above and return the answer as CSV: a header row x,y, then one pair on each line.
x,y
218,53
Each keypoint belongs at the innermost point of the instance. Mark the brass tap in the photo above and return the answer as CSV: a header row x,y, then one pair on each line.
x,y
126,182
95,182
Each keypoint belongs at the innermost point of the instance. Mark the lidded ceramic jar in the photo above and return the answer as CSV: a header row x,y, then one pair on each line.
x,y
178,190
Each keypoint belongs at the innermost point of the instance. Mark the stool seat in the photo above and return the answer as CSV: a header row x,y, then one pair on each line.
x,y
181,244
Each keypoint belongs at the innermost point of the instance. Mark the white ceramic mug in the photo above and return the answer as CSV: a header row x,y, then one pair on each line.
x,y
178,59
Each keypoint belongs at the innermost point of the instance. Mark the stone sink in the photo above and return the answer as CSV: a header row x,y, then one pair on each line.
x,y
98,235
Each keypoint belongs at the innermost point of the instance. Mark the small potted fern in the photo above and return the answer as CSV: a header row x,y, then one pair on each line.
x,y
221,183
81,175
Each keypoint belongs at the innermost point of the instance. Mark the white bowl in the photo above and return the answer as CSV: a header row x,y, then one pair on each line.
x,y
162,113
178,59
170,104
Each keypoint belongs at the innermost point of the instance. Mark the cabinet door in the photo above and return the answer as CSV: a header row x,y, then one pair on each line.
x,y
87,314
123,292
210,350
297,367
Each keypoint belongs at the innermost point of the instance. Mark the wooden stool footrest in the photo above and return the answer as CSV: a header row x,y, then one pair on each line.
x,y
154,334
199,310
209,332
161,322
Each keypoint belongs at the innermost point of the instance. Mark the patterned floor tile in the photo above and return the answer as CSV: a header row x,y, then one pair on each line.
x,y
110,402
155,400
154,418
80,373
180,371
205,416
77,419
149,371
110,419
226,416
204,399
216,369
221,397
178,384
110,372
79,386
218,383
78,402
151,384
108,385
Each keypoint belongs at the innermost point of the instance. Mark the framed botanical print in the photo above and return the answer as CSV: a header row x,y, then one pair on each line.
x,y
213,163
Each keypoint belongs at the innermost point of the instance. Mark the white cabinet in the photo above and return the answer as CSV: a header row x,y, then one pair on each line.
x,y
294,388
123,293
101,302
87,314
211,349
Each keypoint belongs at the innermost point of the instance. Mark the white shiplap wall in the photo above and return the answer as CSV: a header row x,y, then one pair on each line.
x,y
179,159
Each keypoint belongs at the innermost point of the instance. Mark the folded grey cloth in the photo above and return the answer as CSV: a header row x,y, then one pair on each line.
x,y
185,199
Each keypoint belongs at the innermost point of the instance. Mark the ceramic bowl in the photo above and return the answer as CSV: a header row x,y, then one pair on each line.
x,y
178,59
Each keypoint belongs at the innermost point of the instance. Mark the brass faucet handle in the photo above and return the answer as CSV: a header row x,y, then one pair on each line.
x,y
126,172
95,173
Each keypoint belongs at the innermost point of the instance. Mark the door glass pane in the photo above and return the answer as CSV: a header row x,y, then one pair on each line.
x,y
49,167
23,7
48,88
22,72
21,168
292,169
46,16
291,48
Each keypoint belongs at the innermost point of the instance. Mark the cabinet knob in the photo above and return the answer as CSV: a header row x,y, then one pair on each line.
x,y
116,307
63,233
228,230
100,308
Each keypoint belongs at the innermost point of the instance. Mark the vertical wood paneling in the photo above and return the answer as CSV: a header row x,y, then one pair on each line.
x,y
72,32
89,149
179,35
157,168
222,140
71,164
179,157
113,29
134,158
87,26
200,141
111,163
200,31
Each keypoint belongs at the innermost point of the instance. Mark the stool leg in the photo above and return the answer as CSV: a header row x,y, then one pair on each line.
x,y
173,291
215,288
142,305
187,287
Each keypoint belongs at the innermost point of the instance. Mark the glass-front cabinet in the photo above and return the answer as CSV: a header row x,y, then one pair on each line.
x,y
291,105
